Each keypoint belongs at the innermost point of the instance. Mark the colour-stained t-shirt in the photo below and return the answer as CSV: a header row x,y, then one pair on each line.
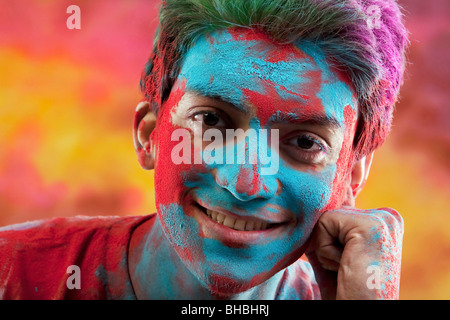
x,y
37,261
35,257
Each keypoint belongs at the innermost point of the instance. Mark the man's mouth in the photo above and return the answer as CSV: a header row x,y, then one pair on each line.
x,y
236,222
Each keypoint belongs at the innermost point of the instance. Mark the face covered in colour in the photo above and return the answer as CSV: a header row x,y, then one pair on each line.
x,y
232,226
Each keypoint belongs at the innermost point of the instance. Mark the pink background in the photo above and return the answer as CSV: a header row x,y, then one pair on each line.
x,y
67,100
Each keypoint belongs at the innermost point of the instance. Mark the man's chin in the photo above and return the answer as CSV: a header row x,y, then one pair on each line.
x,y
224,287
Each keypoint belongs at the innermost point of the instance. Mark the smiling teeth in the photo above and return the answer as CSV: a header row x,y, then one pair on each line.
x,y
236,224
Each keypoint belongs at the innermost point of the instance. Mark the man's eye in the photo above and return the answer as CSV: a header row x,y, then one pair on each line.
x,y
210,119
306,148
306,142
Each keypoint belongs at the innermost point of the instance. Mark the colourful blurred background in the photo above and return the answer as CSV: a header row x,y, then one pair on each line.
x,y
67,100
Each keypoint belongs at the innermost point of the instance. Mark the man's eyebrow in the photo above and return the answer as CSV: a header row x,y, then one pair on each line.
x,y
305,118
226,100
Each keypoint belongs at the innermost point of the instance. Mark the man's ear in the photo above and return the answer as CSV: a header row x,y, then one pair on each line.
x,y
144,124
360,173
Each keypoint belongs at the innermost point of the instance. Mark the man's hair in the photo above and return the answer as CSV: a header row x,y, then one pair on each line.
x,y
373,55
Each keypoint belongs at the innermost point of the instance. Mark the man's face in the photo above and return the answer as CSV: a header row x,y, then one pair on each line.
x,y
231,225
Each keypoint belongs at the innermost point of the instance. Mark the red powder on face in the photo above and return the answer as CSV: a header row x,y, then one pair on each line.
x,y
285,53
243,181
249,177
269,102
161,137
344,162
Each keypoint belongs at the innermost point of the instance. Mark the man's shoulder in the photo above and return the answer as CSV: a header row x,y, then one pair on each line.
x,y
35,255
54,228
65,234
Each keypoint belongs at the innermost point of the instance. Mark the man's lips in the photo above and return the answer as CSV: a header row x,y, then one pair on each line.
x,y
237,222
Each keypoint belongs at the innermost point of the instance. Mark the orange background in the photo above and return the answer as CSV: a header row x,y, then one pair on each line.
x,y
67,100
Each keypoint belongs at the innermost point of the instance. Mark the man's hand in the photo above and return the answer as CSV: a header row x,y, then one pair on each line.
x,y
356,254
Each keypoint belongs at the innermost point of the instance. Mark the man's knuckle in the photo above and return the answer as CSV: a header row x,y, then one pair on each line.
x,y
392,217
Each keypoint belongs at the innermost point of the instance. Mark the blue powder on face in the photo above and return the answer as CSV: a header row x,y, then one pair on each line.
x,y
227,81
171,214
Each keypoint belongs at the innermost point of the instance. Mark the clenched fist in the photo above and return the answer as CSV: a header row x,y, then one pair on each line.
x,y
356,254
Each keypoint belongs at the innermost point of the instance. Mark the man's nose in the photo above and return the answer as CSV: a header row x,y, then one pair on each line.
x,y
246,182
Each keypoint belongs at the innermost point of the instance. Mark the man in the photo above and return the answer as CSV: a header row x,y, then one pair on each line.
x,y
309,82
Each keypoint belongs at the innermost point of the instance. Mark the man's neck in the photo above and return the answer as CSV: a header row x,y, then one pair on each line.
x,y
156,270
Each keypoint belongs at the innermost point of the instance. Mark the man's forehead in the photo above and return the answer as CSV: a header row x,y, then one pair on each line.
x,y
223,64
238,67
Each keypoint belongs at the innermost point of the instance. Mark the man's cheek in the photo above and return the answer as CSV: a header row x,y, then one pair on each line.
x,y
305,192
173,201
177,160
